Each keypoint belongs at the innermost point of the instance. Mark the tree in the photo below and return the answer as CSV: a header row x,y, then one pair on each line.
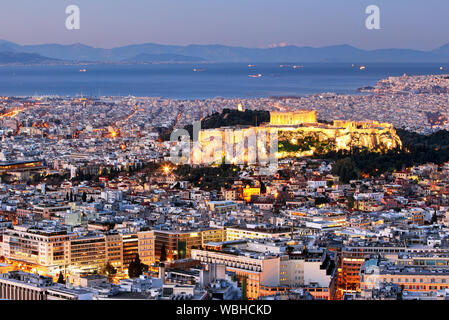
x,y
400,294
321,200
135,268
350,202
61,278
244,288
346,169
163,253
263,187
434,218
108,269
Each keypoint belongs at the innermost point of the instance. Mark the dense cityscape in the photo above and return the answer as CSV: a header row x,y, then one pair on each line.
x,y
93,208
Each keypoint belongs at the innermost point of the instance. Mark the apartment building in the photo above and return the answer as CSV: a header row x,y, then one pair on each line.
x,y
114,249
40,245
235,233
146,247
48,249
409,278
17,285
130,248
254,268
177,244
88,252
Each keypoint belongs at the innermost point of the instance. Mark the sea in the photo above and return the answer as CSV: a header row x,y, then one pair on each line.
x,y
201,81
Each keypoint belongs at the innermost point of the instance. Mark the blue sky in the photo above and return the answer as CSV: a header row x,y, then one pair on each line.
x,y
416,24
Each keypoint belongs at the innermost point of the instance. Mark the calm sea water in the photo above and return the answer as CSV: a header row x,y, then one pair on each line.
x,y
179,81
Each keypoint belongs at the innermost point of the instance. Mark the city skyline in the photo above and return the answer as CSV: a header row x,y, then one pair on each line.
x,y
212,153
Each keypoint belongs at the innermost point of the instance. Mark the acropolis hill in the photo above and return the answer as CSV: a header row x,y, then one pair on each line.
x,y
301,127
300,134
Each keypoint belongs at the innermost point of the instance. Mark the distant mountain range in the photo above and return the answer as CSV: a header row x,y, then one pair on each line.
x,y
150,52
25,58
164,57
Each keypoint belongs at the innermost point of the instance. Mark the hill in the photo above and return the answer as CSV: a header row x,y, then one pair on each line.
x,y
417,150
228,118
7,58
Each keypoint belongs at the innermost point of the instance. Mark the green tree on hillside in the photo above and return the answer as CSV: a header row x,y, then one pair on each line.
x,y
346,169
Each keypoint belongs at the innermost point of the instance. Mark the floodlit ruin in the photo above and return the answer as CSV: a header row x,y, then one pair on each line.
x,y
297,134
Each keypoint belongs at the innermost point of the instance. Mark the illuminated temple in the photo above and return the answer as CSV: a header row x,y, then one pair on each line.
x,y
299,134
292,118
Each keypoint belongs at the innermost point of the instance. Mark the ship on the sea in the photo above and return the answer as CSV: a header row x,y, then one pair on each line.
x,y
255,75
361,67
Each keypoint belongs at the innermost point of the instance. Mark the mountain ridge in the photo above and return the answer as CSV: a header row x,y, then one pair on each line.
x,y
8,58
163,57
79,52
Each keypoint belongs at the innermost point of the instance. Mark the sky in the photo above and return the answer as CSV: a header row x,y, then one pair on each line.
x,y
414,24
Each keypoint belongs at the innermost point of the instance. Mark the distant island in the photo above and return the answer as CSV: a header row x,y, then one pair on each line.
x,y
150,52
